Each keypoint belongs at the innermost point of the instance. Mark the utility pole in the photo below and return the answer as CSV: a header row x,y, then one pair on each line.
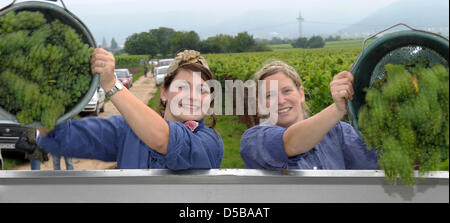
x,y
300,19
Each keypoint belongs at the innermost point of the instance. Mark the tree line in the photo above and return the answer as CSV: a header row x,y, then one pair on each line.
x,y
167,42
313,42
302,42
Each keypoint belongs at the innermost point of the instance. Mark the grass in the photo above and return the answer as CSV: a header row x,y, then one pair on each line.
x,y
279,47
137,76
229,128
342,44
345,44
9,163
154,101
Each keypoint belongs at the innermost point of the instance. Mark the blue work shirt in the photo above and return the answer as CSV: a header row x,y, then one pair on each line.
x,y
112,139
262,148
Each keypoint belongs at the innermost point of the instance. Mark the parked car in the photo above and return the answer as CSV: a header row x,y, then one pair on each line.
x,y
160,74
96,104
164,62
125,77
10,131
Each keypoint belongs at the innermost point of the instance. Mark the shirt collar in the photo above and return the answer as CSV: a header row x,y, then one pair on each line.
x,y
201,123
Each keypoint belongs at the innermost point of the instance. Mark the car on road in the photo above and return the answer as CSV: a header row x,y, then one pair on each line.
x,y
164,62
10,131
160,74
125,77
96,104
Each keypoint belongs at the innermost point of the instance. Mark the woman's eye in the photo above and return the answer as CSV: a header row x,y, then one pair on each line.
x,y
287,91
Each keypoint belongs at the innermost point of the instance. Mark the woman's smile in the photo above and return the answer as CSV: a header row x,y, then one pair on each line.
x,y
284,111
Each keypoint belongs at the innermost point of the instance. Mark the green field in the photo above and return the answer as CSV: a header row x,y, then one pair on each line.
x,y
281,47
11,162
231,130
343,44
346,44
316,67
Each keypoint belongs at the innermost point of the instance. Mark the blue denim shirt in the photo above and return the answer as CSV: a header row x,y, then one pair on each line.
x,y
262,148
112,139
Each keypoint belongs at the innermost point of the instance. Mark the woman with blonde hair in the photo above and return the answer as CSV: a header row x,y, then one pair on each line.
x,y
296,141
140,138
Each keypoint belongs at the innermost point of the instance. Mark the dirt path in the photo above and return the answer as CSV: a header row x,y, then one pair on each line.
x,y
144,89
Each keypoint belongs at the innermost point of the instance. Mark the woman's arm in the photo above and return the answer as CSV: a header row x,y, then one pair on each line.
x,y
304,135
148,125
85,138
262,148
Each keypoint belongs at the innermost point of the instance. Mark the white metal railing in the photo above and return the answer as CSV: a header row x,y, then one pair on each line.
x,y
218,185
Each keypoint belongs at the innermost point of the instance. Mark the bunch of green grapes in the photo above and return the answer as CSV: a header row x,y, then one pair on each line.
x,y
406,120
44,67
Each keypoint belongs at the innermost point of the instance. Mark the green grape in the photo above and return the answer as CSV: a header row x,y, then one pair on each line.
x,y
412,131
394,162
41,64
399,83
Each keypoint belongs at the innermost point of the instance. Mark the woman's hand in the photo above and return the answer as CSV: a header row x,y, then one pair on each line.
x,y
342,90
103,63
302,136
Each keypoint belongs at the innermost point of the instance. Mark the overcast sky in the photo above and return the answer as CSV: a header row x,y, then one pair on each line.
x,y
121,18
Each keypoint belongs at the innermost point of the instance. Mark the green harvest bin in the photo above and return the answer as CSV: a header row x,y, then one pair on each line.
x,y
51,12
402,47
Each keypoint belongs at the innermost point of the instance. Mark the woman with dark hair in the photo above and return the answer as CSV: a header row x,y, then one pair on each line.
x,y
140,138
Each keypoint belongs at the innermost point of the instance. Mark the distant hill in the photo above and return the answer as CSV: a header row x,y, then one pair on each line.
x,y
431,15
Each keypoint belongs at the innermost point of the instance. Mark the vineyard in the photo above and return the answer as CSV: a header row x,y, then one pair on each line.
x,y
316,67
126,61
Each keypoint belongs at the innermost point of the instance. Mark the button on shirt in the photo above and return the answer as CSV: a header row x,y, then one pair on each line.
x,y
262,148
112,139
